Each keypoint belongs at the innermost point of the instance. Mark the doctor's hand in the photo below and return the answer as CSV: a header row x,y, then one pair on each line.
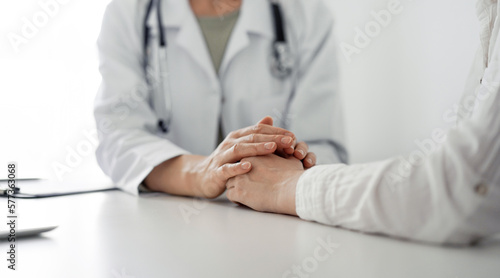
x,y
206,177
269,186
299,150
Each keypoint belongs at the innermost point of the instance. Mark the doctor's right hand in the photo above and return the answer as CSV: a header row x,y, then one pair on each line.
x,y
192,175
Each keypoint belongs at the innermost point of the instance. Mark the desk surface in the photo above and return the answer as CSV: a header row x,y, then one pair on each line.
x,y
117,235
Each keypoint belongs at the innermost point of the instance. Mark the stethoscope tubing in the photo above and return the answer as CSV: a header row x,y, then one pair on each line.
x,y
281,67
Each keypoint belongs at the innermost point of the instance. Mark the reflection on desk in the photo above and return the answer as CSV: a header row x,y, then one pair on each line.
x,y
114,234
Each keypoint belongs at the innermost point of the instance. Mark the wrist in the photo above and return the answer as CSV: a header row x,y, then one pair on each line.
x,y
192,172
176,176
286,196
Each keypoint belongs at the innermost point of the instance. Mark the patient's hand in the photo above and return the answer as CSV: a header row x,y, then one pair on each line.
x,y
269,186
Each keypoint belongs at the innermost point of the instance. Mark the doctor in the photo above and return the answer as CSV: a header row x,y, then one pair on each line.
x,y
179,77
450,196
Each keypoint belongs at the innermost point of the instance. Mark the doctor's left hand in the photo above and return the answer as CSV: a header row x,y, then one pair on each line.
x,y
192,175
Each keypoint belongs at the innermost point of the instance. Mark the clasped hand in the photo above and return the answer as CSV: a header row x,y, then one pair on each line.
x,y
228,160
208,176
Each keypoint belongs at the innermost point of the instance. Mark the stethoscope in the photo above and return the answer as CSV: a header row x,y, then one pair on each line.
x,y
281,63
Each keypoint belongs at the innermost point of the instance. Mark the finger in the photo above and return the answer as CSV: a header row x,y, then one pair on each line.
x,y
243,150
301,150
291,150
261,129
266,121
310,160
227,171
281,140
281,153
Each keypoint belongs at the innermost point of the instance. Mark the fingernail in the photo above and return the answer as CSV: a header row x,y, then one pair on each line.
x,y
310,161
302,153
289,134
245,165
269,146
286,140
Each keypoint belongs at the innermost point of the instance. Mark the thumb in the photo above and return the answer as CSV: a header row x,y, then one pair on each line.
x,y
266,121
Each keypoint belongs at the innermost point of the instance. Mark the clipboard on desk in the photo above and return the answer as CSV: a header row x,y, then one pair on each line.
x,y
35,188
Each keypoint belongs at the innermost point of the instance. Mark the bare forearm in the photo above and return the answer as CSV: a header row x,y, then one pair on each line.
x,y
200,176
285,203
176,176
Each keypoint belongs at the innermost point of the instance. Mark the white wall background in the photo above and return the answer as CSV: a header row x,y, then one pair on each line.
x,y
395,90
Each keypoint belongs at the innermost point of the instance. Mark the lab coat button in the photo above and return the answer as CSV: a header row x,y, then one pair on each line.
x,y
481,189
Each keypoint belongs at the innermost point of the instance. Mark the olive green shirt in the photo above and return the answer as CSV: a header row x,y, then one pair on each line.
x,y
217,31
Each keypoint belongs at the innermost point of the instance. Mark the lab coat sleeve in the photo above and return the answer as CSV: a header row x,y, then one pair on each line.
x,y
127,126
449,195
316,115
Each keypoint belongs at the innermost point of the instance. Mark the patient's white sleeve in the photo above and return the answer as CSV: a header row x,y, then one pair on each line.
x,y
450,194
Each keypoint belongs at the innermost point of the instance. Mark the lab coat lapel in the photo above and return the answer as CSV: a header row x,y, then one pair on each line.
x,y
255,17
191,39
486,11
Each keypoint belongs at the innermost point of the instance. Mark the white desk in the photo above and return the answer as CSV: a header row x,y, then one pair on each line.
x,y
116,235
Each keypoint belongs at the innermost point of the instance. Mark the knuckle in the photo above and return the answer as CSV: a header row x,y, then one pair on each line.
x,y
226,172
252,137
224,169
255,149
258,128
219,176
236,148
226,144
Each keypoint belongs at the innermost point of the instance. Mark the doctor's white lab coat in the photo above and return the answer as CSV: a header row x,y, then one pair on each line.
x,y
243,92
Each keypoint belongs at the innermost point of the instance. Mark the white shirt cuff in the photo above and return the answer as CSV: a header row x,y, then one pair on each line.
x,y
310,192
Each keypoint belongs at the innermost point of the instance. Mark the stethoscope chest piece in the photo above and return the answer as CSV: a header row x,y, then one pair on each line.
x,y
282,60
